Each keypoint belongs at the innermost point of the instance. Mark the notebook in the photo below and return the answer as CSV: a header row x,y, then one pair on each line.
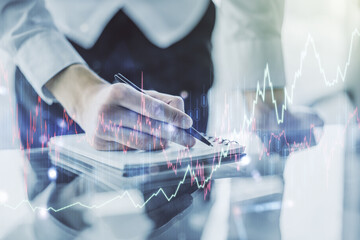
x,y
148,169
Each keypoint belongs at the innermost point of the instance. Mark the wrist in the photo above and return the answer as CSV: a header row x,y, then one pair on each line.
x,y
72,88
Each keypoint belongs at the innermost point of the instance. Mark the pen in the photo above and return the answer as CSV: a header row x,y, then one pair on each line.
x,y
192,131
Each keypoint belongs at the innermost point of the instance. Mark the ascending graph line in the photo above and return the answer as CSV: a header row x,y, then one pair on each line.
x,y
223,153
260,92
288,97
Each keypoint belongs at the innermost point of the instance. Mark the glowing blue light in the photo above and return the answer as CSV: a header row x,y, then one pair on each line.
x,y
61,122
43,139
52,173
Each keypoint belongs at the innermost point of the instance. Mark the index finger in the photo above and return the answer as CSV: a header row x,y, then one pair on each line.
x,y
146,105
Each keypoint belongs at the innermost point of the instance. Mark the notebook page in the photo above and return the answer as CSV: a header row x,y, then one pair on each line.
x,y
78,145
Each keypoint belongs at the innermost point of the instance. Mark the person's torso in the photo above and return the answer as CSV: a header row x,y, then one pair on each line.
x,y
163,22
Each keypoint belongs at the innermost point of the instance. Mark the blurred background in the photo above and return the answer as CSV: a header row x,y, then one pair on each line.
x,y
327,26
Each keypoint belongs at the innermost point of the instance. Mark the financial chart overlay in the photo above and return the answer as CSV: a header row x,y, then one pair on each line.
x,y
186,166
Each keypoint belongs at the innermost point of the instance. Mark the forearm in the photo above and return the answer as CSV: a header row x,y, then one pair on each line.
x,y
29,35
258,50
254,28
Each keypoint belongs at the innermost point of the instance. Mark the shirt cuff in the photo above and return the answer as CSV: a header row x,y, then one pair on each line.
x,y
43,56
254,56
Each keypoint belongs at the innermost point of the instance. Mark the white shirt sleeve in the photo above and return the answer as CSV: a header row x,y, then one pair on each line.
x,y
252,35
28,34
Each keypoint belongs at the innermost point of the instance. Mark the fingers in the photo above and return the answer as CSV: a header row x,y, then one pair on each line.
x,y
147,105
131,139
122,117
177,135
174,101
105,145
130,119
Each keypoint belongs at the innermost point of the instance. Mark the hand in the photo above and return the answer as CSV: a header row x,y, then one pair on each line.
x,y
295,126
118,117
